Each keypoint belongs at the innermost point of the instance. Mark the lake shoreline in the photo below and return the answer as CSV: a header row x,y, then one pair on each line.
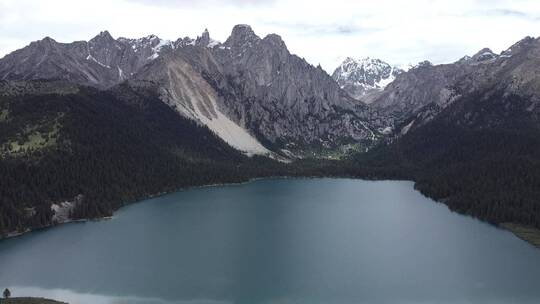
x,y
527,234
14,234
28,300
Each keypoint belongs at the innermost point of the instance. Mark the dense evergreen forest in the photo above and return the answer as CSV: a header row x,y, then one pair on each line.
x,y
109,147
480,157
103,149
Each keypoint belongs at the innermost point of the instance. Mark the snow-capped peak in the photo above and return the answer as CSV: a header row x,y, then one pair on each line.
x,y
159,46
151,45
484,55
359,76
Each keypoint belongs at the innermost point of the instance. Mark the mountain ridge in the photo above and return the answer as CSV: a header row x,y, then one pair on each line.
x,y
251,81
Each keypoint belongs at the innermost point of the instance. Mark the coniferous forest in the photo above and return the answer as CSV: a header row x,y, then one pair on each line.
x,y
480,157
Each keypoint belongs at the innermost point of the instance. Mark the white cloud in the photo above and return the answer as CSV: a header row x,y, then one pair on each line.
x,y
325,32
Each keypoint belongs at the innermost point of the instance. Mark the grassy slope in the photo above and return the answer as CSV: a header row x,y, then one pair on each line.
x,y
531,235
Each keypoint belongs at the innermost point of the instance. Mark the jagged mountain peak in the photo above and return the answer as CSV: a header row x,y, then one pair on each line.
x,y
257,85
521,45
483,55
485,50
204,39
48,39
103,36
361,76
526,40
364,65
423,64
242,28
46,43
149,38
275,40
102,61
241,35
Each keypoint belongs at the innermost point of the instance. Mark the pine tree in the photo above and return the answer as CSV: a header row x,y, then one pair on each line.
x,y
7,293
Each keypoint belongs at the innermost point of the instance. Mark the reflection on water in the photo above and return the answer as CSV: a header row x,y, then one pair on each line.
x,y
82,298
86,298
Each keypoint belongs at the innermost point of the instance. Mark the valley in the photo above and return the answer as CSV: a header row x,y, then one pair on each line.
x,y
269,152
96,125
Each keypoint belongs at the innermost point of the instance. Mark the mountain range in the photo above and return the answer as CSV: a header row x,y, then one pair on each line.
x,y
91,125
250,91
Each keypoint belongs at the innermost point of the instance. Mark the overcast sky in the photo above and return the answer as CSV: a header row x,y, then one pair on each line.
x,y
325,32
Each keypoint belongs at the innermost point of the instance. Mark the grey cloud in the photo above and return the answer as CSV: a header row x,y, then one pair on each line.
x,y
324,29
508,12
516,14
501,12
199,3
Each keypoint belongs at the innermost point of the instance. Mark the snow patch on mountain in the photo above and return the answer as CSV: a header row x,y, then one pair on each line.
x,y
121,75
151,44
360,76
91,58
160,45
213,43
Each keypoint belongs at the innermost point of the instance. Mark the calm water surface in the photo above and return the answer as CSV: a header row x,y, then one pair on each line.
x,y
277,241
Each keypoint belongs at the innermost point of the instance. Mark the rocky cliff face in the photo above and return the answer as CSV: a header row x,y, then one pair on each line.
x,y
101,62
285,99
183,87
255,84
365,77
419,94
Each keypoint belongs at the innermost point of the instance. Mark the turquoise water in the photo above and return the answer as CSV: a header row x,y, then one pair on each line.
x,y
277,241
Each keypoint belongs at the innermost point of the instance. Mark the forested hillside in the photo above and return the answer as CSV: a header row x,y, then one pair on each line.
x,y
480,157
100,150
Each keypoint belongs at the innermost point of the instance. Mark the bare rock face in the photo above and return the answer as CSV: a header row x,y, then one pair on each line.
x,y
421,85
204,39
100,62
278,98
421,93
285,99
